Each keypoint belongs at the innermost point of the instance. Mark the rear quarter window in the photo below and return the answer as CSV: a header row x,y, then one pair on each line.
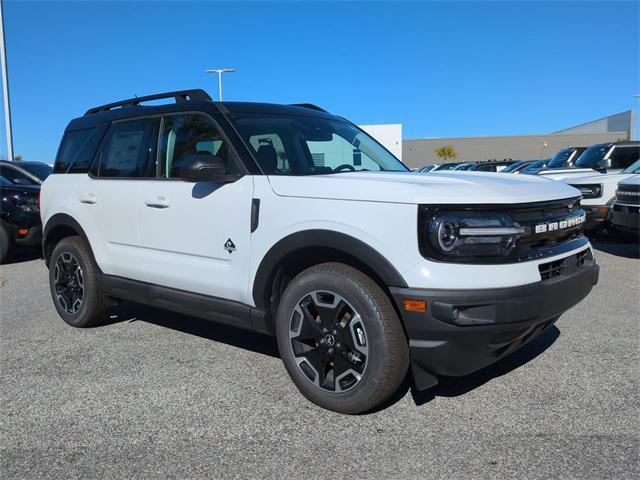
x,y
71,144
78,149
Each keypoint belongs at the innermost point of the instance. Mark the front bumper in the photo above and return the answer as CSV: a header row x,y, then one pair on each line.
x,y
596,215
32,238
625,217
462,331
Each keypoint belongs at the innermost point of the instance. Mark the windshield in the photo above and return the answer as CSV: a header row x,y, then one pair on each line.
x,y
633,168
539,164
514,166
592,155
40,170
561,158
300,145
15,176
448,166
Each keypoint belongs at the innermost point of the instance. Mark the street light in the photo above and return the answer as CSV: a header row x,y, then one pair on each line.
x,y
5,84
220,71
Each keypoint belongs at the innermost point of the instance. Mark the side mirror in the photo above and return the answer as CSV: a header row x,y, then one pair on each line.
x,y
604,164
205,167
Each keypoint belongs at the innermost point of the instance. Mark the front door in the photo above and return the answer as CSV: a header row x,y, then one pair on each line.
x,y
196,236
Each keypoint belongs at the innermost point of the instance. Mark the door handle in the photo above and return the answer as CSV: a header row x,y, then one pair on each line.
x,y
88,198
157,202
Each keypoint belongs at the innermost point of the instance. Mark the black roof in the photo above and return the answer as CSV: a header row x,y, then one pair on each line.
x,y
185,100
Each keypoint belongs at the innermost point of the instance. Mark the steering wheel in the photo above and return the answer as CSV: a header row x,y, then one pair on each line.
x,y
344,166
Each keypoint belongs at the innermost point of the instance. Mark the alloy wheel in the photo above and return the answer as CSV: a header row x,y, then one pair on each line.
x,y
329,341
68,283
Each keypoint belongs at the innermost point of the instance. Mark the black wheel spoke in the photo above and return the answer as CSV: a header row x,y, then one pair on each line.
x,y
323,339
68,282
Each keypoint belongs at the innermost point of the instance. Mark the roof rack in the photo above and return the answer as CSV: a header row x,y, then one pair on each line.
x,y
179,96
308,105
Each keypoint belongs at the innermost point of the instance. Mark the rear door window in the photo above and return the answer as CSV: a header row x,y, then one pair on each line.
x,y
128,149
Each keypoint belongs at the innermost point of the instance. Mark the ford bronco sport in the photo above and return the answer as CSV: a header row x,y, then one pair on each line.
x,y
290,221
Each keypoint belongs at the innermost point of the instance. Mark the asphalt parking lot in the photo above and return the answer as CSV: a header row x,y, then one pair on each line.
x,y
159,395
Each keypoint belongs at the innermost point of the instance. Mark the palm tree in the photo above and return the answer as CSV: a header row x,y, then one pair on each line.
x,y
447,153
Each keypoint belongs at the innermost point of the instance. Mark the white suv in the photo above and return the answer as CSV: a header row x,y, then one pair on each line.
x,y
290,221
599,192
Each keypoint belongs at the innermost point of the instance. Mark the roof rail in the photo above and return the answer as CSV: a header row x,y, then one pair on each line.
x,y
308,105
179,96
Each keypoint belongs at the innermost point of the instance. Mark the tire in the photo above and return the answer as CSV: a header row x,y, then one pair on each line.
x,y
370,354
69,255
6,244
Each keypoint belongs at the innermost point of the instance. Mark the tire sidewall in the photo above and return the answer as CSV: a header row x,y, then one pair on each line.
x,y
361,301
75,247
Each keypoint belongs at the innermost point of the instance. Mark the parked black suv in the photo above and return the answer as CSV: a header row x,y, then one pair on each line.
x,y
20,223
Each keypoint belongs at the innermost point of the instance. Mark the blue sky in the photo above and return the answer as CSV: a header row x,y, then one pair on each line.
x,y
439,68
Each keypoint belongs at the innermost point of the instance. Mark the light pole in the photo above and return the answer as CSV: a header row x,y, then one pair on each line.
x,y
220,71
5,84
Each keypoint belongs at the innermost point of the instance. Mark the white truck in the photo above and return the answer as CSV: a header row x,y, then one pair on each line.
x,y
290,221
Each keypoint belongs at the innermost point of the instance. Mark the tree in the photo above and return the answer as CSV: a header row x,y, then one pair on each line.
x,y
446,153
18,158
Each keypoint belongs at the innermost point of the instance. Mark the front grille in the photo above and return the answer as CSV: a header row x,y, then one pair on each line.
x,y
565,266
629,194
549,225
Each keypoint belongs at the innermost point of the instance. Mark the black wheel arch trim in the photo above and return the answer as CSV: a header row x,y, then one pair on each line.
x,y
61,220
317,238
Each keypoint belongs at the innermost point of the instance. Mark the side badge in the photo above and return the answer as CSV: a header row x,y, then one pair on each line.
x,y
229,246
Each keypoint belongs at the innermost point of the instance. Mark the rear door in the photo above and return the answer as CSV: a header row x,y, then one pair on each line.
x,y
108,197
196,236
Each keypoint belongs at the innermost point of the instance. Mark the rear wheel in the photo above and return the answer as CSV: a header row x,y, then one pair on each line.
x,y
73,281
340,339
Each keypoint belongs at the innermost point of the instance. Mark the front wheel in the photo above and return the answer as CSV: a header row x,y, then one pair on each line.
x,y
340,339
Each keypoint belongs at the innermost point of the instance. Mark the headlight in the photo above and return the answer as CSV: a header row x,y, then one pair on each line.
x,y
590,191
26,204
460,235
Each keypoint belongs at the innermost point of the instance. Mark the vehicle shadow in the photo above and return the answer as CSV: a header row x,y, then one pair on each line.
x,y
23,254
266,345
614,245
236,337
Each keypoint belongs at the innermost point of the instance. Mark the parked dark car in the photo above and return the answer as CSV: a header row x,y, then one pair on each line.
x,y
535,167
39,169
464,166
566,158
518,166
493,166
20,223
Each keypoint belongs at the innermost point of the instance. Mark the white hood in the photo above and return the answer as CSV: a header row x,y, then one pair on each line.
x,y
597,178
416,188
